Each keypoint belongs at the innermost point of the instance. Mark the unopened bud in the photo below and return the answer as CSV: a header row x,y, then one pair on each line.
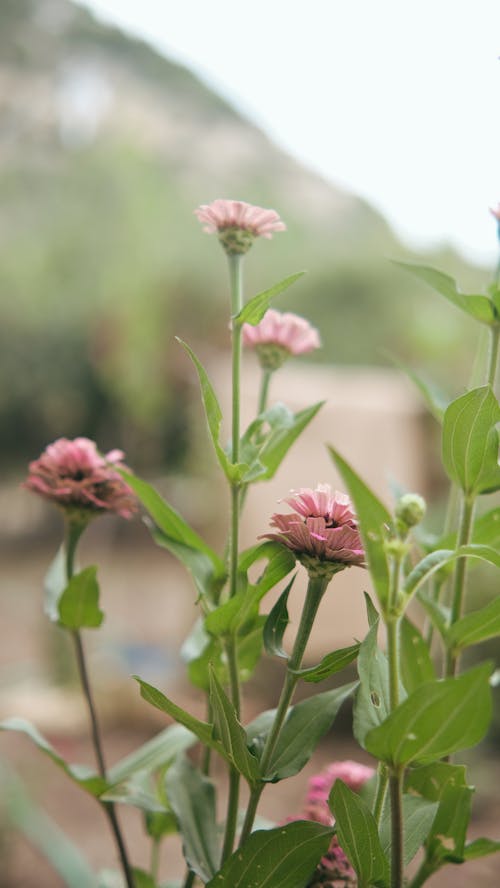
x,y
410,510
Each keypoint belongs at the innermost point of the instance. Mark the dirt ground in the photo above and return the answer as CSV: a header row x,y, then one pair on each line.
x,y
141,634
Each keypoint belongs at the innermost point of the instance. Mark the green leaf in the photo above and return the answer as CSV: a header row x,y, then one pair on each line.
x,y
418,816
192,798
203,730
159,824
178,537
276,624
214,417
85,777
54,585
435,400
358,836
372,700
436,720
265,452
485,532
153,754
79,603
231,733
481,848
330,664
284,857
439,614
436,560
470,441
431,780
479,307
415,659
373,519
255,309
476,627
306,723
446,841
143,879
139,791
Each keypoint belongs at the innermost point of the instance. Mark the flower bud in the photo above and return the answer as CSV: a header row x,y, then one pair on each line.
x,y
410,509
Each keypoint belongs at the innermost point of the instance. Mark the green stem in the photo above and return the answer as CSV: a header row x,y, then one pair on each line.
x,y
264,390
397,846
236,285
458,593
155,859
380,792
392,627
493,354
189,880
74,531
315,591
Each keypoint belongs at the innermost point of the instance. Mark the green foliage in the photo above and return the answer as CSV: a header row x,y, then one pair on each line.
x,y
276,624
470,441
268,439
418,817
371,703
358,836
79,603
276,858
436,720
255,308
192,797
479,307
415,659
330,664
230,732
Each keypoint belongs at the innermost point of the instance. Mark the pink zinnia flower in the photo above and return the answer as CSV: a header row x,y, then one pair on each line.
x,y
75,476
279,335
326,531
238,223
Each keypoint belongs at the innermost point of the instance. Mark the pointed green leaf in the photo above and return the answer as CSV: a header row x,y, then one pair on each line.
x,y
192,798
231,732
80,774
306,724
435,400
284,857
330,664
481,848
142,879
437,719
214,416
476,627
418,816
255,309
79,603
276,624
373,519
153,754
358,836
415,659
372,700
266,452
436,560
470,441
477,306
173,532
203,730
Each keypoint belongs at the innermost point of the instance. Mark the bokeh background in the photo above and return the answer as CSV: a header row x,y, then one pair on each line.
x,y
106,148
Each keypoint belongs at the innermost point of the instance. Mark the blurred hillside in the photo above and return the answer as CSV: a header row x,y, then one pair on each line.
x,y
106,148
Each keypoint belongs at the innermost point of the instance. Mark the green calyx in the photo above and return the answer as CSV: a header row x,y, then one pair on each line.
x,y
319,569
236,241
272,356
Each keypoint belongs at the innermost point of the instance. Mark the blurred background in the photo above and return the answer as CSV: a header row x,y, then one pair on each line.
x,y
107,144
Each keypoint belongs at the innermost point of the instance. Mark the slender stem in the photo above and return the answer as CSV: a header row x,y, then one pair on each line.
x,y
493,354
380,792
264,390
155,859
232,814
464,535
393,658
73,534
189,880
397,846
315,590
236,284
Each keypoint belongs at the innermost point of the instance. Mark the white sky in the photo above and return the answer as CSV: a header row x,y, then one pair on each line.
x,y
396,100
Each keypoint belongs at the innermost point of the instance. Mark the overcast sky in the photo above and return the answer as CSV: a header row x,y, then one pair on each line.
x,y
396,100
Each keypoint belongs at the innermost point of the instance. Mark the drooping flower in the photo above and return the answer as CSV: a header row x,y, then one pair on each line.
x,y
75,476
238,223
279,335
326,531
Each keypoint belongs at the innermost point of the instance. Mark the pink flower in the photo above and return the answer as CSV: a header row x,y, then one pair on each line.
x,y
326,531
75,476
238,223
279,335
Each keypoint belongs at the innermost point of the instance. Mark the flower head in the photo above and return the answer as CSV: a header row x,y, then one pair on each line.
x,y
75,476
279,335
238,223
325,535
